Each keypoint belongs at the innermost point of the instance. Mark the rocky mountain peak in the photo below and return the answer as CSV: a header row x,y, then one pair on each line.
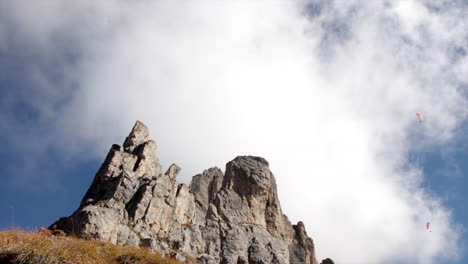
x,y
249,176
232,217
138,136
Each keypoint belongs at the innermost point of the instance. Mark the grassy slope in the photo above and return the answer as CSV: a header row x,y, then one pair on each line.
x,y
42,247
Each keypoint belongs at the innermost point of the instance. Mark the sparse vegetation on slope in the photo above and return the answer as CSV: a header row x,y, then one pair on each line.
x,y
42,247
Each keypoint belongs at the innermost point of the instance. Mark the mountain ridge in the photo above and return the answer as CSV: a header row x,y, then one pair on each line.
x,y
231,217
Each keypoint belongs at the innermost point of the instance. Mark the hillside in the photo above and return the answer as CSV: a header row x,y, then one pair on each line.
x,y
42,247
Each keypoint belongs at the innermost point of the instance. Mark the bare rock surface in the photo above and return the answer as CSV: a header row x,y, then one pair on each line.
x,y
230,218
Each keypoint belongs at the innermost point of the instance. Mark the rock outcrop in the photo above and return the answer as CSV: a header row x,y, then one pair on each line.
x,y
232,217
327,261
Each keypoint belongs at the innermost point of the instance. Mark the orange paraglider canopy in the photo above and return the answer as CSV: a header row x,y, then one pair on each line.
x,y
421,117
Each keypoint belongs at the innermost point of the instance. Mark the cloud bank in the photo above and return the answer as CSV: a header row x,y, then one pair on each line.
x,y
327,91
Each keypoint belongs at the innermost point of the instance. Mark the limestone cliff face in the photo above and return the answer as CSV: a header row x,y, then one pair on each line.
x,y
232,217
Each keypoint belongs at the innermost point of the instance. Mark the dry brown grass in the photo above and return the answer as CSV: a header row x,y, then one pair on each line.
x,y
42,247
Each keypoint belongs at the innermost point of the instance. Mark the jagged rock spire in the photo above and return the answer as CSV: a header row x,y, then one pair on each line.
x,y
233,217
173,171
138,136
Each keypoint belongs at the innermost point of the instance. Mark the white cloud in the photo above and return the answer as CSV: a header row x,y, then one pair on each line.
x,y
329,100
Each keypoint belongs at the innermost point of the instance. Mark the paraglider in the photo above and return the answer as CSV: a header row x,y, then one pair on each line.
x,y
427,226
420,116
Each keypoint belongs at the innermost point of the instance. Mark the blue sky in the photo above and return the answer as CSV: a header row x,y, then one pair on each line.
x,y
326,91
